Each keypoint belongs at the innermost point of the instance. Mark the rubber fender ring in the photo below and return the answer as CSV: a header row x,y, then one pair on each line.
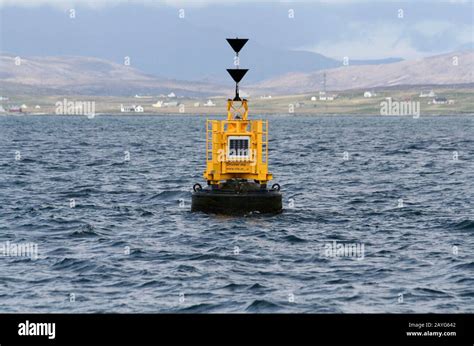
x,y
197,187
276,187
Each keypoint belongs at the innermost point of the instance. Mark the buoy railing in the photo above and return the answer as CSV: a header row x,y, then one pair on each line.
x,y
264,141
208,140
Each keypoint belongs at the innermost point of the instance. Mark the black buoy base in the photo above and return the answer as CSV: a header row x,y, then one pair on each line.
x,y
237,197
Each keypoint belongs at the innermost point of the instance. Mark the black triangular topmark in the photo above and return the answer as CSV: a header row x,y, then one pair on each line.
x,y
237,43
237,73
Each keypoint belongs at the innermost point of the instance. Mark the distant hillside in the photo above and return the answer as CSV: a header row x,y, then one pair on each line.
x,y
92,76
436,70
89,76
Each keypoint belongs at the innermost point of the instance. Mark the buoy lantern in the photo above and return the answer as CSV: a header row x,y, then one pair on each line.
x,y
237,159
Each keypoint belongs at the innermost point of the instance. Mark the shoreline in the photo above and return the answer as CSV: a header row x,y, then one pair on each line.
x,y
382,102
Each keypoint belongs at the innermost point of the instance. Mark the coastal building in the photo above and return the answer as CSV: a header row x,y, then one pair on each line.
x,y
313,98
158,104
171,95
126,109
369,94
2,110
37,107
23,106
209,103
440,101
15,109
196,104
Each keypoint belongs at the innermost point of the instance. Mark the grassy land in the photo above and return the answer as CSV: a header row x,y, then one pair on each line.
x,y
347,102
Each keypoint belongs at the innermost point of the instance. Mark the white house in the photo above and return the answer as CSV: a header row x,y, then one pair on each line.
x,y
171,95
139,109
196,104
313,98
2,110
368,94
158,104
209,103
23,106
37,107
125,109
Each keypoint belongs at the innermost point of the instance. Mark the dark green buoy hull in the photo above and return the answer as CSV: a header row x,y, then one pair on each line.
x,y
233,198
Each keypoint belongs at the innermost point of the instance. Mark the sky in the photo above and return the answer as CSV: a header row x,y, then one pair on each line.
x,y
113,29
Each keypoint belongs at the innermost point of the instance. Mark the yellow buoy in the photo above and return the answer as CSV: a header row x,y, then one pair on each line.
x,y
237,159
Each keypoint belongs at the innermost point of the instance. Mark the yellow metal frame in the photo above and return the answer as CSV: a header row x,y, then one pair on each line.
x,y
219,166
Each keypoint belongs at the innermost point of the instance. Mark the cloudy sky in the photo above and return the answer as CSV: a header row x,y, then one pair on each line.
x,y
184,30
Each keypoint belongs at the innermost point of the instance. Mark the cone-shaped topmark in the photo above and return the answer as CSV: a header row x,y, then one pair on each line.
x,y
237,73
237,43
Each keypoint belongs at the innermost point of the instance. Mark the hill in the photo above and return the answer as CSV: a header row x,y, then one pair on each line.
x,y
435,70
88,76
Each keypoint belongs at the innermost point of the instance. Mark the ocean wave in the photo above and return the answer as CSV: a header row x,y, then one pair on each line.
x,y
198,308
261,305
73,264
293,239
467,225
85,231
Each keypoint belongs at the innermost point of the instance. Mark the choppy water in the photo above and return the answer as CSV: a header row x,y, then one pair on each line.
x,y
417,258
